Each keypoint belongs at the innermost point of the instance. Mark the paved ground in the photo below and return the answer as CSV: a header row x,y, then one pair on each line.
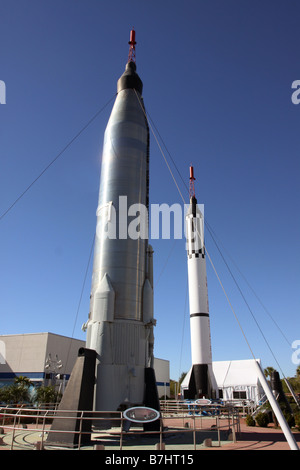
x,y
250,438
256,438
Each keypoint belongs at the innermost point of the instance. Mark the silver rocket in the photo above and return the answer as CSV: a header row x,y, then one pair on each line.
x,y
120,324
201,379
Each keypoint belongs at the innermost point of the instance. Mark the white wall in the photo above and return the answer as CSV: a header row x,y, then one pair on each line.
x,y
66,350
26,354
162,374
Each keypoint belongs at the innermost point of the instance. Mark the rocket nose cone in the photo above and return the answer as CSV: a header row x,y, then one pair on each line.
x,y
131,67
130,79
193,206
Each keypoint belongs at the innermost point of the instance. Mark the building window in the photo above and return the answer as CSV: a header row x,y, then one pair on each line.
x,y
239,394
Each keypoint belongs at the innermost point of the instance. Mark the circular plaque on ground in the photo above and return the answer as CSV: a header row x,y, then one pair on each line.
x,y
141,414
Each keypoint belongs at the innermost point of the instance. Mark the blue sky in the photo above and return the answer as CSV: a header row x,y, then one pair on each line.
x,y
217,84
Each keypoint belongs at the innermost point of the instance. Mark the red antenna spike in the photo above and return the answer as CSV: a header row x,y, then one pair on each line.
x,y
132,43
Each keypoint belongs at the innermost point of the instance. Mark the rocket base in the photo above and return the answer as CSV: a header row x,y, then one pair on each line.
x,y
199,383
151,399
77,397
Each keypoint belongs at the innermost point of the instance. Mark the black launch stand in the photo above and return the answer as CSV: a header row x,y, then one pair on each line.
x,y
77,396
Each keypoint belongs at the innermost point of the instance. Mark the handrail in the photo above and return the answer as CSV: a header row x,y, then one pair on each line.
x,y
219,418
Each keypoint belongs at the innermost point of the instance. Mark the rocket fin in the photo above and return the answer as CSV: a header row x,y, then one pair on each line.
x,y
199,383
104,301
102,308
147,302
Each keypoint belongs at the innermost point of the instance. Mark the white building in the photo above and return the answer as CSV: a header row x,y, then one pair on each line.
x,y
236,380
37,356
43,356
162,375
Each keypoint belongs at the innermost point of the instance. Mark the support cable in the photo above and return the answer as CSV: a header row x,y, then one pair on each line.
x,y
56,158
159,146
247,282
248,306
182,337
165,264
286,430
157,131
214,269
174,179
80,298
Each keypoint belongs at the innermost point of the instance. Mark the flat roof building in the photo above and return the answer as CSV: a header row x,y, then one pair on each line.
x,y
49,358
36,355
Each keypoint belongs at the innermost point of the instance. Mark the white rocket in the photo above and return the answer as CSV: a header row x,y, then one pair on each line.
x,y
201,379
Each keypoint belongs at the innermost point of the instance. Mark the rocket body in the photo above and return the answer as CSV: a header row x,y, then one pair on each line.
x,y
202,381
120,324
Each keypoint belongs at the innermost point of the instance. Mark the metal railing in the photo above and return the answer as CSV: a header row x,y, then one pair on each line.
x,y
181,424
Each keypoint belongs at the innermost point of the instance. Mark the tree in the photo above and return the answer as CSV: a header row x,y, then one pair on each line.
x,y
46,394
294,381
181,378
18,392
4,395
173,388
23,381
268,371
